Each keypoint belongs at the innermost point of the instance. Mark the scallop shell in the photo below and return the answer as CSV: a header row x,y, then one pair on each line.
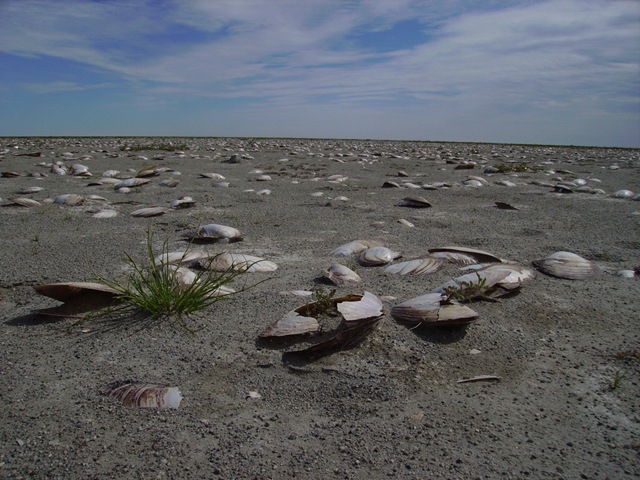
x,y
376,256
356,246
420,266
566,265
341,275
149,212
414,202
144,395
218,233
431,310
463,256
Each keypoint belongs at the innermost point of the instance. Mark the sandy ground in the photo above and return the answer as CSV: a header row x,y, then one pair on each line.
x,y
391,407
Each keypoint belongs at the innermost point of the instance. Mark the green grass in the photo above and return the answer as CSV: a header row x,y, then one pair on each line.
x,y
466,291
152,290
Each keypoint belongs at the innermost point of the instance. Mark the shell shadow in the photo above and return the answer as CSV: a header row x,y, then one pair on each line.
x,y
31,320
441,335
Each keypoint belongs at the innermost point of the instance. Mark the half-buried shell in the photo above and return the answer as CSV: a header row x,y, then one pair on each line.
x,y
341,275
376,256
144,395
566,265
432,309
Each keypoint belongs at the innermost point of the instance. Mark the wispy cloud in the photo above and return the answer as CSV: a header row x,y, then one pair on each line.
x,y
519,60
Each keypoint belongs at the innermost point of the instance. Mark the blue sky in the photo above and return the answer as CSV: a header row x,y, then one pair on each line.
x,y
547,72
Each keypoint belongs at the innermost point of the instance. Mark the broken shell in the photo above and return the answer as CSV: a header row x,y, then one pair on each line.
x,y
431,310
182,202
420,266
149,212
217,233
463,256
566,265
355,246
341,275
369,306
169,182
414,202
375,256
144,395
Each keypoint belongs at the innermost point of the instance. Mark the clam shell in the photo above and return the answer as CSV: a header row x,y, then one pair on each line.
x,y
25,202
369,306
237,262
77,297
375,256
69,199
414,202
213,176
27,190
149,212
566,265
169,182
463,256
356,246
182,202
420,266
218,233
622,194
131,182
106,213
429,310
341,275
144,395
291,324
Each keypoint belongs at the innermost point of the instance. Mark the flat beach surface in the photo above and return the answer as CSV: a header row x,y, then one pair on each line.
x,y
567,352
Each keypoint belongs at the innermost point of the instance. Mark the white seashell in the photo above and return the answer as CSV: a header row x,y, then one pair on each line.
x,y
131,182
25,202
107,213
622,194
626,273
183,257
110,173
149,212
473,183
124,190
105,181
263,178
69,199
420,266
429,309
317,194
264,191
183,277
237,262
169,182
218,233
58,170
463,256
566,265
376,256
406,223
369,306
144,395
291,324
354,247
213,176
96,198
80,170
27,190
478,179
182,202
505,183
341,275
580,182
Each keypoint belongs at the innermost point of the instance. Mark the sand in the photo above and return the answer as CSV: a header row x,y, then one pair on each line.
x,y
567,351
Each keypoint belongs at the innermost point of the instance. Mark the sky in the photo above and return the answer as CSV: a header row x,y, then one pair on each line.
x,y
562,72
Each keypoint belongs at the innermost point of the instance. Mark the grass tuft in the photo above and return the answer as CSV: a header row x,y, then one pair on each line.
x,y
153,291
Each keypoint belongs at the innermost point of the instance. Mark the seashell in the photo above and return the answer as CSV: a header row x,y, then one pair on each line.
x,y
636,197
213,176
341,275
291,324
220,184
123,190
376,256
10,174
625,273
411,185
483,181
463,256
473,183
149,212
505,183
69,199
369,306
264,191
169,182
237,262
143,395
104,181
390,184
24,202
263,178
505,206
579,182
563,188
183,277
337,178
110,173
420,266
406,223
432,310
58,170
28,190
217,233
182,202
80,170
106,213
622,194
183,257
355,246
96,198
414,202
131,182
465,166
77,297
150,171
566,265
